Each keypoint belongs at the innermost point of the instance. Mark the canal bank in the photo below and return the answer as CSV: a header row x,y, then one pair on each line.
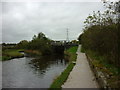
x,y
70,54
9,54
81,75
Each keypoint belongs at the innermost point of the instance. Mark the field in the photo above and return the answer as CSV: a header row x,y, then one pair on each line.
x,y
11,53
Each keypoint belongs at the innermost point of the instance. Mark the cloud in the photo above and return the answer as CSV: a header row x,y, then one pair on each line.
x,y
55,0
21,20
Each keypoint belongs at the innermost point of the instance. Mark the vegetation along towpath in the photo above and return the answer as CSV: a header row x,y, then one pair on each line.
x,y
81,76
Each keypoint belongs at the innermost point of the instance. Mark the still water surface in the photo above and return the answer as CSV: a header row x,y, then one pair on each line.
x,y
31,72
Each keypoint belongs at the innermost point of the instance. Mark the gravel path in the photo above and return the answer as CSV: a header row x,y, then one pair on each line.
x,y
81,76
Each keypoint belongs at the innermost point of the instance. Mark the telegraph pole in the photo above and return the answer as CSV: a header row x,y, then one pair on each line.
x,y
67,39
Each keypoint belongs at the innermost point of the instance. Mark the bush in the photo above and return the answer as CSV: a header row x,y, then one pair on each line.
x,y
101,34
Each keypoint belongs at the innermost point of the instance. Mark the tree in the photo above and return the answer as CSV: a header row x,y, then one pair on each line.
x,y
101,33
22,44
40,43
79,38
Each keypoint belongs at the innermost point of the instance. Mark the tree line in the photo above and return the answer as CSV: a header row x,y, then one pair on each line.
x,y
101,33
39,43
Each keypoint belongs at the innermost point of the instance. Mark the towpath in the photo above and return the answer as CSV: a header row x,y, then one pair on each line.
x,y
81,76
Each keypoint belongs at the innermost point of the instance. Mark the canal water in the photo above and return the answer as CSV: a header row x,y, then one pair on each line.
x,y
29,72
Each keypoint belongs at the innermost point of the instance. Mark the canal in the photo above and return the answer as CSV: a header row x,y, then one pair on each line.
x,y
30,72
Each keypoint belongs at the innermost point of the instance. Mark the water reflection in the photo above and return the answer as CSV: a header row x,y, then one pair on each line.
x,y
30,72
43,63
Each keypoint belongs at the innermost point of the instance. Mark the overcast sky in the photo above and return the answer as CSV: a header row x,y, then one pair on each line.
x,y
22,20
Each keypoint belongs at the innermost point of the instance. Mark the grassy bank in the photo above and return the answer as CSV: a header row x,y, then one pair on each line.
x,y
33,52
59,81
111,73
11,53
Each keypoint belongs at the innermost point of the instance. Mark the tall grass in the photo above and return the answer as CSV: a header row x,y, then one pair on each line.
x,y
111,72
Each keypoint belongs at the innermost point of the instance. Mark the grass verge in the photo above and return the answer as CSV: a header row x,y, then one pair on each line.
x,y
82,49
111,72
59,81
11,53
